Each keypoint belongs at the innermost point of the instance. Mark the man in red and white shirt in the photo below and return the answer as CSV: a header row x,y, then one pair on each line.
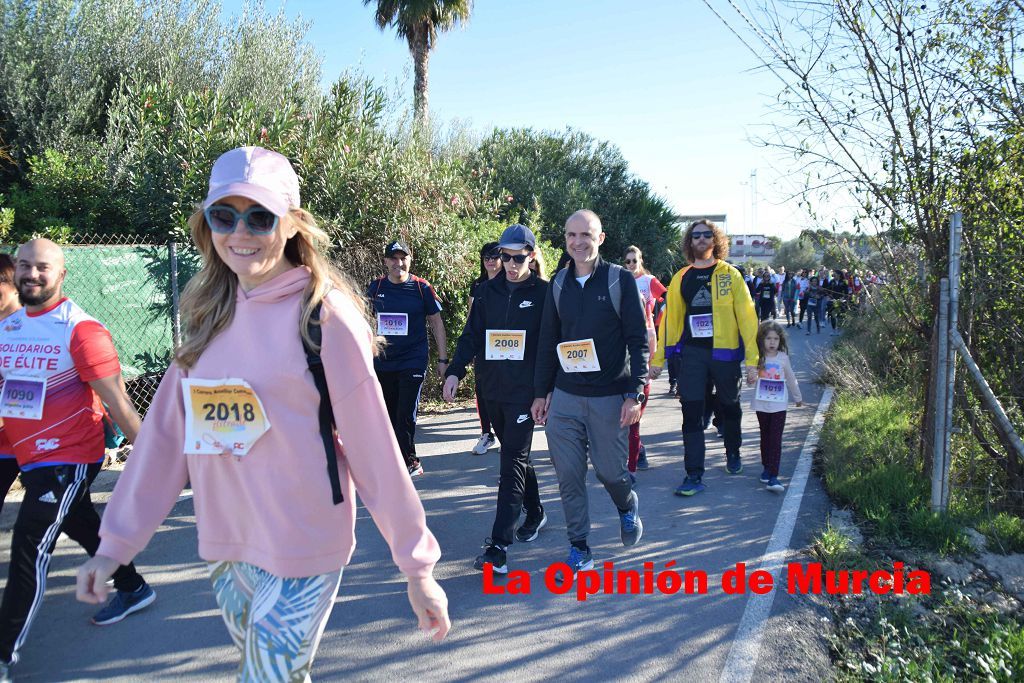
x,y
59,368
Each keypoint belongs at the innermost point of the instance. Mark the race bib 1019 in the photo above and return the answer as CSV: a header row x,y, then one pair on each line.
x,y
771,390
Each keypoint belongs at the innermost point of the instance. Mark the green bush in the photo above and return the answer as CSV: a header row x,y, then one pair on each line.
x,y
867,459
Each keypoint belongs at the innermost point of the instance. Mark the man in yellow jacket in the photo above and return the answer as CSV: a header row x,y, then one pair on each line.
x,y
710,323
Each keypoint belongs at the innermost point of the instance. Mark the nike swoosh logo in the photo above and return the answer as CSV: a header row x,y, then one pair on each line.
x,y
526,304
522,419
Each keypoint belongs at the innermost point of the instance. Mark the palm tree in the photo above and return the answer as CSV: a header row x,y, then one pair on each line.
x,y
419,21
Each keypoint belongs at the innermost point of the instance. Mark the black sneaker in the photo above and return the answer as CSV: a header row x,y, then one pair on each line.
x,y
641,460
495,555
672,388
531,528
733,465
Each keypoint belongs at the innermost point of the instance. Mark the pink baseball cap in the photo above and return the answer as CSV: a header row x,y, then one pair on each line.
x,y
255,173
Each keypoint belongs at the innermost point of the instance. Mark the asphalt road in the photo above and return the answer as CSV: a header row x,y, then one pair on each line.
x,y
538,636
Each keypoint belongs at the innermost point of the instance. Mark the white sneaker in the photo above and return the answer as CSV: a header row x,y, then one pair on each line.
x,y
483,444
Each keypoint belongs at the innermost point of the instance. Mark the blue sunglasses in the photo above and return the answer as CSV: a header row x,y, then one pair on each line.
x,y
223,219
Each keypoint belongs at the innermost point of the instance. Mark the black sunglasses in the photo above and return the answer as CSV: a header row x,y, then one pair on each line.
x,y
697,234
518,258
491,257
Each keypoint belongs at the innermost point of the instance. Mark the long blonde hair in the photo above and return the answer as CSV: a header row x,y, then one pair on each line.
x,y
538,258
208,302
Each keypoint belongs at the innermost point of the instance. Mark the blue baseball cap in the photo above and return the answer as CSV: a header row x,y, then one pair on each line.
x,y
517,237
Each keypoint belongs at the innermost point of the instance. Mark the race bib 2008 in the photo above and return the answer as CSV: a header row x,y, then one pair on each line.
x,y
222,416
505,345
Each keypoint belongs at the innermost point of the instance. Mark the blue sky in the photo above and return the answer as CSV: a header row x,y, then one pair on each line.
x,y
662,79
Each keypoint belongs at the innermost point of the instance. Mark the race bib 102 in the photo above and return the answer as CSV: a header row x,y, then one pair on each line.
x,y
222,416
771,390
578,356
701,326
23,397
505,345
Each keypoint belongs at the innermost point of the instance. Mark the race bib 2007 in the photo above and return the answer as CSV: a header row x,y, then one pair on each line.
x,y
23,397
771,390
578,356
505,345
701,326
222,416
393,324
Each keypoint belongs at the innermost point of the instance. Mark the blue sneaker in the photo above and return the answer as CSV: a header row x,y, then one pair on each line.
x,y
732,463
630,526
690,486
765,477
641,460
580,559
124,603
775,485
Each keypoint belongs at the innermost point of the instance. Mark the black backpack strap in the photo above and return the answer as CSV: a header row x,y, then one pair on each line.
x,y
326,414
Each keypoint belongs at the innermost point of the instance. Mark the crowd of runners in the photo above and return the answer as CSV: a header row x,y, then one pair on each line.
x,y
293,390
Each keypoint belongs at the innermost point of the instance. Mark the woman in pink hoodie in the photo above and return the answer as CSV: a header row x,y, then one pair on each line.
x,y
236,415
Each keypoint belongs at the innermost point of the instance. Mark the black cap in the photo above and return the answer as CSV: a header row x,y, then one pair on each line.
x,y
517,237
395,246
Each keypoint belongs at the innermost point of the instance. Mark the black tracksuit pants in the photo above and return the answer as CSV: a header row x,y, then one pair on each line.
x,y
402,396
56,500
518,486
8,473
696,370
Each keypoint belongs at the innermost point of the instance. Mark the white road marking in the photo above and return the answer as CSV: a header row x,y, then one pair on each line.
x,y
746,644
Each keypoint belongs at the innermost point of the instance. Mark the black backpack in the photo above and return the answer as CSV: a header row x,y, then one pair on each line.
x,y
326,415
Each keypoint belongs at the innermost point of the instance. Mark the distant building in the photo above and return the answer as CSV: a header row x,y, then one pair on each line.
x,y
750,248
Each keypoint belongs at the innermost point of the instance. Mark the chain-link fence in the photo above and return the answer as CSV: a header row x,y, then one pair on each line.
x,y
986,466
130,286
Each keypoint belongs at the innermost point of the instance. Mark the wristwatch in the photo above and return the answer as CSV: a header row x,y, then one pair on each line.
x,y
638,397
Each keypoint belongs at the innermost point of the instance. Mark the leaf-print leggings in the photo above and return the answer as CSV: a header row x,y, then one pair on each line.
x,y
276,623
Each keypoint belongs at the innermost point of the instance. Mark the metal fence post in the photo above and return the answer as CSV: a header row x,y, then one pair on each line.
x,y
172,253
941,388
955,234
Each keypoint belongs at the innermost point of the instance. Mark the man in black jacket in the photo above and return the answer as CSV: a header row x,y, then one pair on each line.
x,y
502,333
591,371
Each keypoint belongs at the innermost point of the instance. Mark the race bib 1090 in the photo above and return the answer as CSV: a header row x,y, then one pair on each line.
x,y
23,397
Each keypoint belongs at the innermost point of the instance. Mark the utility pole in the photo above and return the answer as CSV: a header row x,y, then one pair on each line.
x,y
753,201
